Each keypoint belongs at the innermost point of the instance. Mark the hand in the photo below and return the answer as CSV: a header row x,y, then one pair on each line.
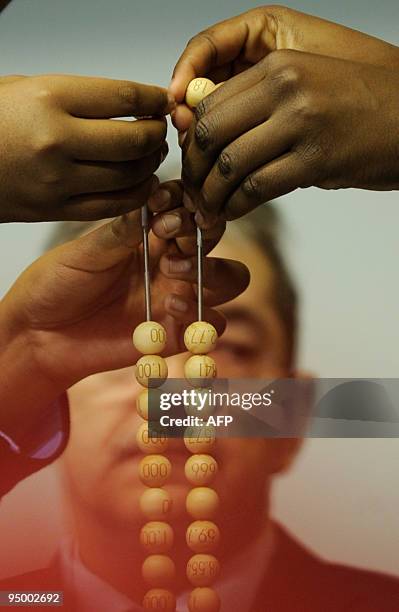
x,y
61,155
77,306
292,120
234,45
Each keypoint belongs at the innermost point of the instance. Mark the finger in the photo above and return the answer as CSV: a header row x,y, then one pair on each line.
x,y
167,197
108,204
187,245
104,98
107,245
220,125
241,158
279,177
186,311
174,223
211,48
105,140
224,279
92,177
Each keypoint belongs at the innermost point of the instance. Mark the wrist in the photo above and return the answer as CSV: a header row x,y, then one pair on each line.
x,y
26,390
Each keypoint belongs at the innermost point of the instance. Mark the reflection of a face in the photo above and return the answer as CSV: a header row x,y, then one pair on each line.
x,y
102,457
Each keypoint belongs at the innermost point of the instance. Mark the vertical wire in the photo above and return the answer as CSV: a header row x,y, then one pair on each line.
x,y
147,285
200,291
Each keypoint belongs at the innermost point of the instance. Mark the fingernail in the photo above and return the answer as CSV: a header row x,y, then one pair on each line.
x,y
179,265
171,223
199,218
188,203
178,304
160,200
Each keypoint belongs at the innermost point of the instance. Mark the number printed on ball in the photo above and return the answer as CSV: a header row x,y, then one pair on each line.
x,y
202,570
151,371
203,536
200,469
149,338
159,600
198,369
154,470
200,338
156,504
149,440
156,537
197,89
200,439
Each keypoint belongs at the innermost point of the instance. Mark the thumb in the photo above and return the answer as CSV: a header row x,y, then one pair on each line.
x,y
106,246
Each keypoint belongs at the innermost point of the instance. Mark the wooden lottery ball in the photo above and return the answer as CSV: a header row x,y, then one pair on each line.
x,y
200,439
199,403
203,536
158,570
159,599
151,367
197,89
200,338
204,599
149,338
156,504
202,503
154,470
156,537
151,441
200,469
202,570
142,404
198,368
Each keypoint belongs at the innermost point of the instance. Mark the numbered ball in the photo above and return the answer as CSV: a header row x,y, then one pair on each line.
x,y
204,599
202,570
158,570
197,90
202,503
154,470
142,404
149,338
159,599
151,371
156,537
156,504
198,369
199,403
200,439
203,536
200,469
200,338
149,440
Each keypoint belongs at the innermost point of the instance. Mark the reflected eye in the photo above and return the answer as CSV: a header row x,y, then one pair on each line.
x,y
237,350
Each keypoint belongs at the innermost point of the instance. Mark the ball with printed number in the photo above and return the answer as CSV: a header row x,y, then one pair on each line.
x,y
203,536
202,569
197,89
200,469
159,599
156,504
150,440
204,599
151,371
200,439
198,369
200,338
154,470
156,537
149,338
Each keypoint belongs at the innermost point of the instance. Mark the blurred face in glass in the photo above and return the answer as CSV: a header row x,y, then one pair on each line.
x,y
102,458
